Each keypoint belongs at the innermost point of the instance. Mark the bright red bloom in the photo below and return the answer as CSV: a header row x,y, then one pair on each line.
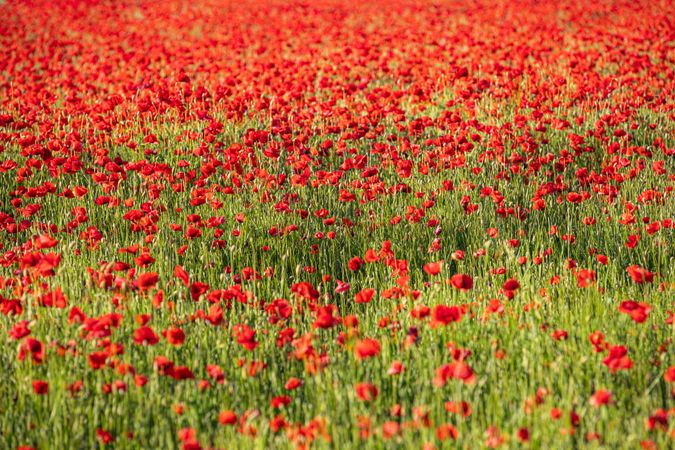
x,y
396,368
280,401
174,336
523,435
601,397
355,263
598,341
34,347
637,311
40,387
341,287
146,281
145,336
293,383
640,275
618,359
104,436
181,373
433,268
325,318
246,337
364,296
420,311
658,420
197,289
367,348
462,408
97,360
19,330
45,241
366,391
461,281
371,256
444,315
669,375
182,275
227,417
511,285
446,431
390,429
455,370
559,335
585,278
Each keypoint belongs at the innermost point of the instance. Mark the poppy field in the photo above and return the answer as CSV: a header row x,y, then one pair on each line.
x,y
290,225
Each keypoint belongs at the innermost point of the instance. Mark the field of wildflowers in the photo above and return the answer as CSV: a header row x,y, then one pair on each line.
x,y
393,224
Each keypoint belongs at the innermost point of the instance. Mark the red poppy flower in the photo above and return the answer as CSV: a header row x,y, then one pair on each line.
x,y
462,408
97,360
19,330
280,401
227,417
181,373
639,274
182,275
34,347
669,375
559,335
364,295
444,315
618,359
174,336
461,281
293,383
246,337
658,420
420,311
456,370
390,429
396,368
511,285
585,278
325,318
45,241
637,311
145,336
371,256
341,287
366,391
355,263
446,431
523,435
40,387
104,436
367,348
601,397
146,281
433,268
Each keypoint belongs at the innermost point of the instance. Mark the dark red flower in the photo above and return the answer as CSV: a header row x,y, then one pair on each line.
x,y
145,336
146,281
461,281
444,315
